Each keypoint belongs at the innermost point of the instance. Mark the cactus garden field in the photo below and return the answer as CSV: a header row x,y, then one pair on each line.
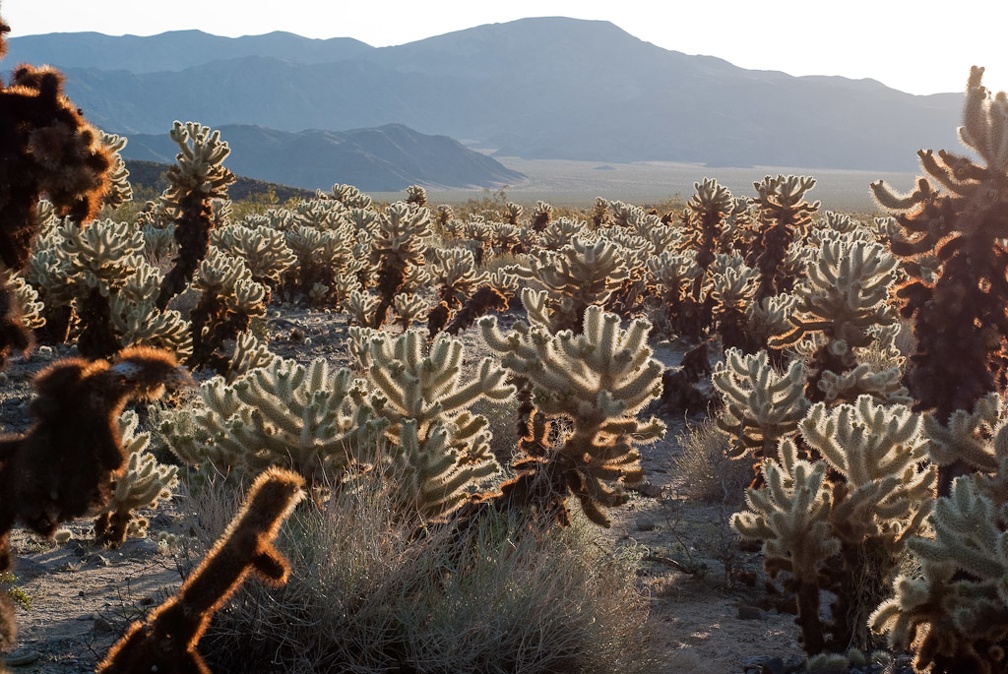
x,y
734,432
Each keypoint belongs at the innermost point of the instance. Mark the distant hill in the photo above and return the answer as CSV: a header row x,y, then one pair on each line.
x,y
384,159
151,175
535,88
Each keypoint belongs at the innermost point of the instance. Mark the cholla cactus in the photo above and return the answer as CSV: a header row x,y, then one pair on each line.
x,y
264,251
839,525
29,307
561,232
541,216
761,405
705,219
842,305
229,301
732,292
576,277
249,354
322,257
513,212
783,216
958,308
119,189
398,245
99,258
137,320
350,196
674,275
286,414
167,641
409,309
601,379
417,195
954,611
197,177
437,449
454,272
361,306
143,483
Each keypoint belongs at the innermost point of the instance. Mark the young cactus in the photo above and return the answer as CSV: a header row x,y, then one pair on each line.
x,y
436,447
761,405
144,482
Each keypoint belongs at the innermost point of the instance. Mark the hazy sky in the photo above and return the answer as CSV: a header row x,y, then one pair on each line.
x,y
921,46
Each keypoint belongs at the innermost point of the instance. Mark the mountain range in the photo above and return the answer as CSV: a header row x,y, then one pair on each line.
x,y
544,88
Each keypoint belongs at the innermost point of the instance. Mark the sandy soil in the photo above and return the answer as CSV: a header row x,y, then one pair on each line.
x,y
83,597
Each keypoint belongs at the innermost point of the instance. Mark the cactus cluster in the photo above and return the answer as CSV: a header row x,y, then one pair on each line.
x,y
601,379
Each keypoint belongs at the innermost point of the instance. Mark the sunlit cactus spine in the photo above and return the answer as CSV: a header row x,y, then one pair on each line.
x,y
437,449
957,215
576,277
49,149
841,306
761,405
142,484
230,299
399,244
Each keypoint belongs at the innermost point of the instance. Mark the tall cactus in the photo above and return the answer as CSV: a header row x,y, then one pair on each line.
x,y
197,177
957,215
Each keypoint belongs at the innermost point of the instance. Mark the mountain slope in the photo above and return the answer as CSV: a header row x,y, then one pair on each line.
x,y
534,88
385,159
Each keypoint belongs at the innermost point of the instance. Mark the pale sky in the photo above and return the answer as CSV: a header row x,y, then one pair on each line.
x,y
917,46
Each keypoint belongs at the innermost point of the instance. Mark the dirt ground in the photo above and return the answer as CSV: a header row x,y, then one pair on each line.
x,y
709,621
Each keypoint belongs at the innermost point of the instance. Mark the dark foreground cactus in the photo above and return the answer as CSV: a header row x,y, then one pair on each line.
x,y
166,642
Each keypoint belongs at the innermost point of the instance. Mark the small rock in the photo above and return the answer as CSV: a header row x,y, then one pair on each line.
x,y
21,658
763,664
750,613
645,524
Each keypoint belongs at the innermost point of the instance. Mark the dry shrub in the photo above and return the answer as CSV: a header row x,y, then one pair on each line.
x,y
366,594
705,470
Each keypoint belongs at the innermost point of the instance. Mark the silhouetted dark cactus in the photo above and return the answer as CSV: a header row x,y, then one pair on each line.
x,y
46,148
62,466
166,642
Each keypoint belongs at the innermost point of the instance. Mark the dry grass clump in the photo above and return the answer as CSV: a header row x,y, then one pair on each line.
x,y
367,594
705,470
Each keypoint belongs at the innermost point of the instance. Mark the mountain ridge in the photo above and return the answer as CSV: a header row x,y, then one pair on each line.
x,y
548,88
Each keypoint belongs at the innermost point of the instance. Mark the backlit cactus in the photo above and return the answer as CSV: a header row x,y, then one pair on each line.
x,y
166,641
783,216
842,303
761,404
398,245
575,277
956,216
435,446
838,525
601,379
285,414
143,483
197,177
